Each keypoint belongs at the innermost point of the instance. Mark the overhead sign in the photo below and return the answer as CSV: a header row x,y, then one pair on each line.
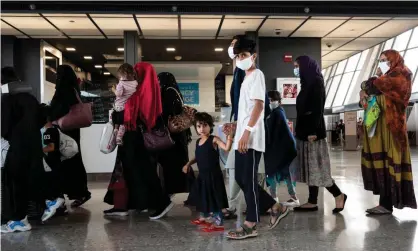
x,y
190,92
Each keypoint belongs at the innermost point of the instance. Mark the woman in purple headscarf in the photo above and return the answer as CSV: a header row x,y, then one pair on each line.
x,y
314,163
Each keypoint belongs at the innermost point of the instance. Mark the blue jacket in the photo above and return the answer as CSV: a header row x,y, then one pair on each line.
x,y
239,76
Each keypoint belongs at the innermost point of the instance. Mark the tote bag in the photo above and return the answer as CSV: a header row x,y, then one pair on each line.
x,y
79,116
108,139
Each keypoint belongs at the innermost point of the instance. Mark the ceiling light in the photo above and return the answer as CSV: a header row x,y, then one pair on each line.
x,y
48,57
98,66
70,49
106,73
121,49
171,49
88,57
219,49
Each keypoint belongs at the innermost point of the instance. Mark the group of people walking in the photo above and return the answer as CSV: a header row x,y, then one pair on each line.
x,y
259,128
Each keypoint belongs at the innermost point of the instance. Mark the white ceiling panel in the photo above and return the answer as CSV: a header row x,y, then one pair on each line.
x,y
115,25
287,26
156,16
199,27
231,27
162,27
18,15
334,42
288,17
75,25
362,44
371,18
197,37
317,27
326,63
243,17
89,37
51,36
338,55
8,30
111,15
33,25
201,16
392,28
355,28
161,37
324,52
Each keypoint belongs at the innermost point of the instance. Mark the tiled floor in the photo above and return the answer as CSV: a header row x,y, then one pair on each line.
x,y
87,229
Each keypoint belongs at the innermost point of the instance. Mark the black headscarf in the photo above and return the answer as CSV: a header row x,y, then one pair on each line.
x,y
66,79
309,71
168,80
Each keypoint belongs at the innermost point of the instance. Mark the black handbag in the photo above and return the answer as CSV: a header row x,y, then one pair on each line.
x,y
157,139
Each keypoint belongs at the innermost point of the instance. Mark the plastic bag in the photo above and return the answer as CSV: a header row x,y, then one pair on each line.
x,y
68,146
108,139
4,149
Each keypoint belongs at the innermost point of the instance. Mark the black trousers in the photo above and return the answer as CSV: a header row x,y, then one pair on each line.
x,y
257,199
314,190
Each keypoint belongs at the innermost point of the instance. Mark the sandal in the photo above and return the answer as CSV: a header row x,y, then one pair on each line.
x,y
230,215
279,215
243,233
379,210
213,228
80,202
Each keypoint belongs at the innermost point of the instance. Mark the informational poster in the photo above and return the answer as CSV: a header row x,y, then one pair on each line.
x,y
289,88
350,120
190,92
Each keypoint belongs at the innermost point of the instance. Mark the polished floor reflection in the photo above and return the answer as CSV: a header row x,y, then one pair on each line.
x,y
87,229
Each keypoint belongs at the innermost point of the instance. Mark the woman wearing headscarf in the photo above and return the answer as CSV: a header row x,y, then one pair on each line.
x,y
174,159
386,159
135,183
22,174
73,172
312,148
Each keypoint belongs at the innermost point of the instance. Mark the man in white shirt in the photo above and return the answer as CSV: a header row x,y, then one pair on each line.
x,y
249,143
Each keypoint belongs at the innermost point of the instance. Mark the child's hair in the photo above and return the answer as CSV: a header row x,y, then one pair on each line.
x,y
45,112
127,70
204,118
275,95
245,45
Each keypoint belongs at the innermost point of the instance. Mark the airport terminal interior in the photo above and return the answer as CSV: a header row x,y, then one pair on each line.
x,y
191,41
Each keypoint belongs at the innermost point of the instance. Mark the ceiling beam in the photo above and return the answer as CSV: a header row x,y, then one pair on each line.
x,y
262,23
15,28
179,26
220,26
297,28
359,36
141,34
53,25
101,31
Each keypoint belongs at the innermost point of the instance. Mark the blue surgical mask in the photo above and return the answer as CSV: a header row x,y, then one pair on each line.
x,y
296,72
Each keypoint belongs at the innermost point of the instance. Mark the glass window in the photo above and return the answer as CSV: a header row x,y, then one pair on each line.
x,y
388,44
415,85
342,89
341,66
362,59
329,84
334,69
332,91
414,40
402,40
411,61
352,87
352,63
323,72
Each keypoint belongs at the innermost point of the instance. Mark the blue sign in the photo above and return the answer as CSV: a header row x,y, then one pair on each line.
x,y
190,92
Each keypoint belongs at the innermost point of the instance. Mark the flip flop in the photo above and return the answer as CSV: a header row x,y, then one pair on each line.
x,y
379,210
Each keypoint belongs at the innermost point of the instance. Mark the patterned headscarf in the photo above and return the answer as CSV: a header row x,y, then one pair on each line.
x,y
396,86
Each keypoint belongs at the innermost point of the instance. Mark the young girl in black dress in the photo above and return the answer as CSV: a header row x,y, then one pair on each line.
x,y
210,188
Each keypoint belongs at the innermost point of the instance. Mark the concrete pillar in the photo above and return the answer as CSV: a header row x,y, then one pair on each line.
x,y
132,46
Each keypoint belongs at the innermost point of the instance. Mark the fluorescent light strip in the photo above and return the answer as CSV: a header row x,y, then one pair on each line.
x,y
98,66
70,49
121,49
106,73
219,49
88,57
171,49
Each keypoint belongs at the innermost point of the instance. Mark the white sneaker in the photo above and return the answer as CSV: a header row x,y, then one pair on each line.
x,y
291,203
16,226
51,208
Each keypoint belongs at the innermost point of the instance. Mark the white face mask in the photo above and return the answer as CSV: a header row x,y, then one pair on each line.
x,y
274,105
231,52
5,88
384,67
245,64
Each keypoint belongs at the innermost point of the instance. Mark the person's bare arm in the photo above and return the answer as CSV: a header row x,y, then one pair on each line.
x,y
189,165
224,146
255,115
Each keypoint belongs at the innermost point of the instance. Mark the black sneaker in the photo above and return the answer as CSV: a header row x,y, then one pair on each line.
x,y
161,213
116,212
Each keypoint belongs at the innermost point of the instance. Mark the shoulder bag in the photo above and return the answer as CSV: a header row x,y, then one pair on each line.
x,y
79,116
184,120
